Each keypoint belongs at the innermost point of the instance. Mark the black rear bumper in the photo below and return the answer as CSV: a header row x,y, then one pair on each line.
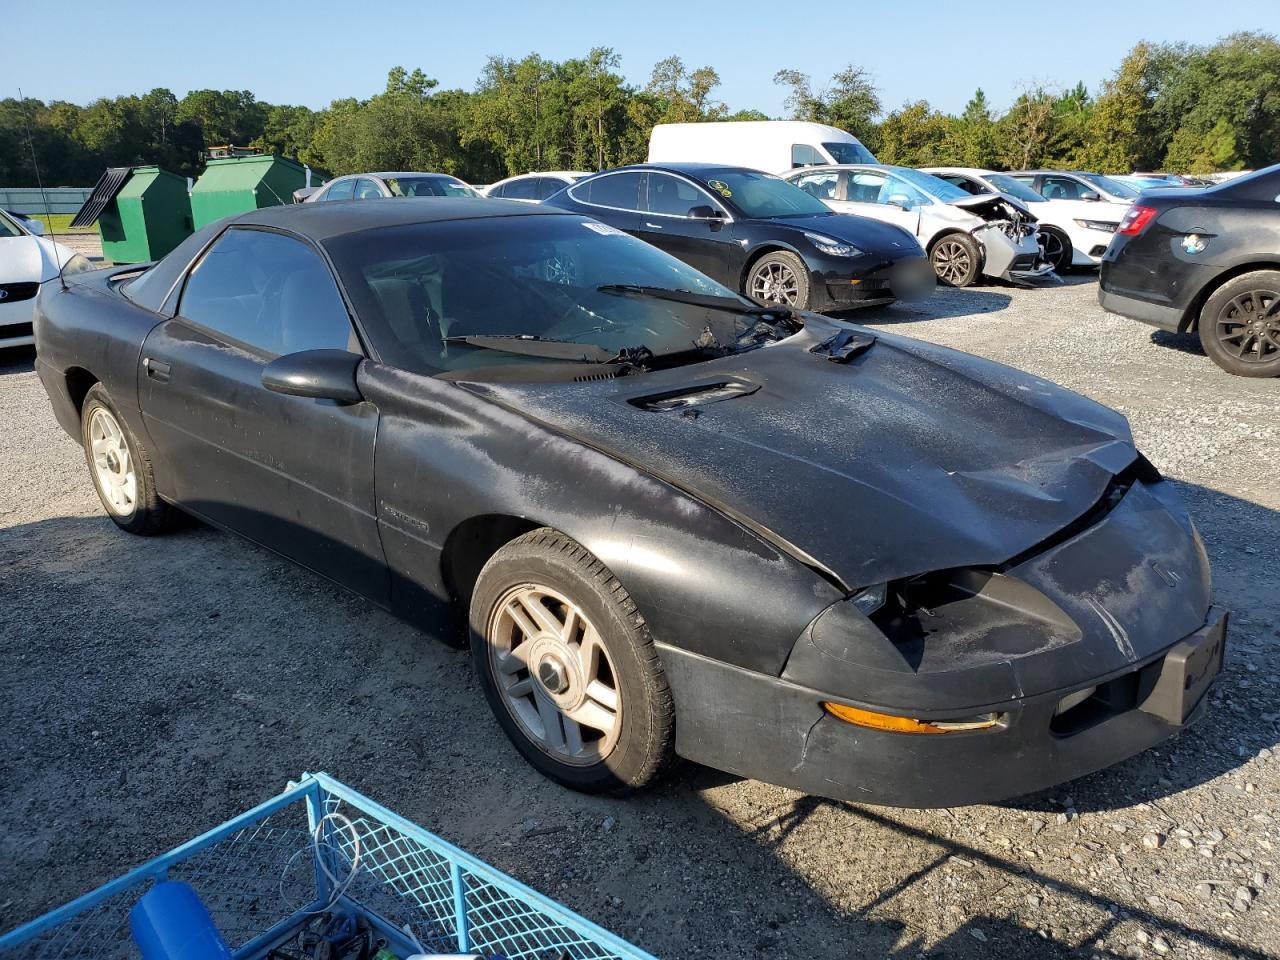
x,y
768,729
1158,315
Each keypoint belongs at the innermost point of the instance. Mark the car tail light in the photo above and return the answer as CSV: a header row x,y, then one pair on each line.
x,y
1136,220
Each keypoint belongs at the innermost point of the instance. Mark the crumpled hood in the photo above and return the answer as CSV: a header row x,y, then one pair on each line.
x,y
26,259
988,206
908,458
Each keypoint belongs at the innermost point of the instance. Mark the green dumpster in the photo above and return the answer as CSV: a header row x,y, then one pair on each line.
x,y
142,213
239,184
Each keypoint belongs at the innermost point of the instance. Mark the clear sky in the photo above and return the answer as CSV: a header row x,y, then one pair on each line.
x,y
314,51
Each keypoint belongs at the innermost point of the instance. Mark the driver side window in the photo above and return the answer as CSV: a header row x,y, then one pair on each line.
x,y
898,191
803,155
820,185
367,190
865,186
675,197
269,292
342,190
1061,188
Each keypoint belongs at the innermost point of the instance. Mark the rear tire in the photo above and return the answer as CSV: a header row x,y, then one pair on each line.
x,y
779,277
568,666
120,468
956,259
1239,325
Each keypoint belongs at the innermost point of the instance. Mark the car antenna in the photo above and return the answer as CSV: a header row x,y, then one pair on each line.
x,y
44,197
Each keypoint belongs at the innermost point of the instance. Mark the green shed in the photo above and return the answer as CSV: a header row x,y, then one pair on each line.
x,y
239,184
142,213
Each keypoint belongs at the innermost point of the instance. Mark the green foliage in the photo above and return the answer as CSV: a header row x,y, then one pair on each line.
x,y
1168,106
851,102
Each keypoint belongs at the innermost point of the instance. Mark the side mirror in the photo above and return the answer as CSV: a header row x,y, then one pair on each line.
x,y
35,227
900,200
319,374
1091,195
705,212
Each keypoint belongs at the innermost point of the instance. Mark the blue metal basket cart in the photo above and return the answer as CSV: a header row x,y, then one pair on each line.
x,y
264,874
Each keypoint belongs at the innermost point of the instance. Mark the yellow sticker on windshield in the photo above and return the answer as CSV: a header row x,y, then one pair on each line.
x,y
720,187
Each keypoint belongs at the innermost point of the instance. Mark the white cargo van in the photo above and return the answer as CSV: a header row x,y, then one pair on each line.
x,y
774,146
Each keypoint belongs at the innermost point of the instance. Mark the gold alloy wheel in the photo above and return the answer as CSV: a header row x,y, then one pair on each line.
x,y
554,674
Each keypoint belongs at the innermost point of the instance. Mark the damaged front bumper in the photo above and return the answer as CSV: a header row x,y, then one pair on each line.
x,y
1091,647
776,730
1018,260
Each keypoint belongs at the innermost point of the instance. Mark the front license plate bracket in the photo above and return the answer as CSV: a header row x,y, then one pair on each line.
x,y
1187,671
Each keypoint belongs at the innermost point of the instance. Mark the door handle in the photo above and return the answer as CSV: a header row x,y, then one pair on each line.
x,y
157,370
653,226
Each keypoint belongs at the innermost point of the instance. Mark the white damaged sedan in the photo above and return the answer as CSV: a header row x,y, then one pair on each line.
x,y
28,260
964,236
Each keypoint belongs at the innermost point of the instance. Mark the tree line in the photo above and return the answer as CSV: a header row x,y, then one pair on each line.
x,y
1181,107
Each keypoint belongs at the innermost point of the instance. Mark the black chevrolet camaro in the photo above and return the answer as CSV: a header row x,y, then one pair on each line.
x,y
757,234
675,521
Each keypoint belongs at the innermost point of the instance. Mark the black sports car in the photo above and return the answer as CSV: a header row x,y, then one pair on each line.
x,y
679,523
1204,260
757,234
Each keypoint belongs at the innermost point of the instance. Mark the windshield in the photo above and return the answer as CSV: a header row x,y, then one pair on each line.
x,y
935,187
418,287
1113,187
1014,188
849,153
9,228
429,187
763,196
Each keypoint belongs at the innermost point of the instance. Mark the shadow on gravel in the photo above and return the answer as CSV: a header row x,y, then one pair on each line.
x,y
135,666
17,360
945,302
1014,939
1182,342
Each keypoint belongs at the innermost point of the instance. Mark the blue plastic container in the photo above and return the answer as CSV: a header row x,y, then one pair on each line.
x,y
171,923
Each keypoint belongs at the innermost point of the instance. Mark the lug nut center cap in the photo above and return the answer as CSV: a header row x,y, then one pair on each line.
x,y
553,676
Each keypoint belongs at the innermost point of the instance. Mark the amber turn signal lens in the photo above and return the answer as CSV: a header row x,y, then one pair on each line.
x,y
885,721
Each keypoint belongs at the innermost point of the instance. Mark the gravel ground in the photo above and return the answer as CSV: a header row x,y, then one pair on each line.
x,y
152,688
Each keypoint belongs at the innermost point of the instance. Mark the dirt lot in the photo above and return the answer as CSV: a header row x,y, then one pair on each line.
x,y
152,688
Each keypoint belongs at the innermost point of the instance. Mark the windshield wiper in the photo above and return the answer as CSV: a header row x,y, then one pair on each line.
x,y
710,301
529,345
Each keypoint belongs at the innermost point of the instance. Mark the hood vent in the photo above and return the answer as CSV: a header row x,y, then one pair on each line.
x,y
590,377
694,395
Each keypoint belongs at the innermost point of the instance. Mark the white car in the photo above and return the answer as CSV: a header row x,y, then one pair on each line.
x,y
534,187
1073,232
964,236
27,262
378,186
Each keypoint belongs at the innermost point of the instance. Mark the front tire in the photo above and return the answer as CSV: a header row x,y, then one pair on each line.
x,y
120,467
956,259
1240,325
568,666
779,277
1056,248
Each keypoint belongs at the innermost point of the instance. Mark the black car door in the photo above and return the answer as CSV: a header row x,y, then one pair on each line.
x,y
292,473
705,243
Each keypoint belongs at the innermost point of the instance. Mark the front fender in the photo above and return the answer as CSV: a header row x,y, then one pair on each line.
x,y
703,582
